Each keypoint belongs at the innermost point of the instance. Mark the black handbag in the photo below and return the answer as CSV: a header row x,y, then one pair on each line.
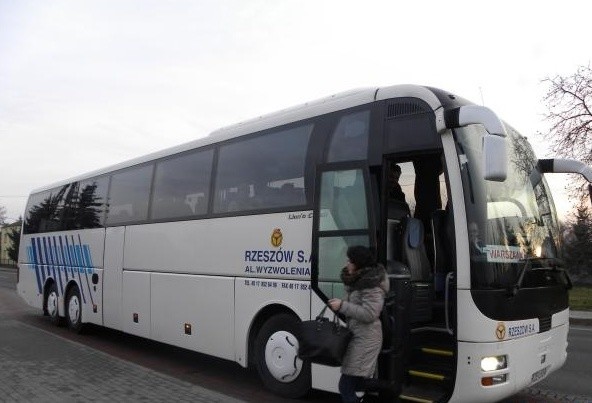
x,y
323,341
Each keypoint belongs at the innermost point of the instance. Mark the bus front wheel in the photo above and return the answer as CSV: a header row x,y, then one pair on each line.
x,y
74,310
276,354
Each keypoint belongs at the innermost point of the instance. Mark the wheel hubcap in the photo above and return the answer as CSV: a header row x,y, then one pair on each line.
x,y
281,356
74,309
52,303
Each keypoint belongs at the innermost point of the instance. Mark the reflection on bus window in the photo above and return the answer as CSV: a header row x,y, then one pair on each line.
x,y
129,195
91,206
181,186
263,172
350,139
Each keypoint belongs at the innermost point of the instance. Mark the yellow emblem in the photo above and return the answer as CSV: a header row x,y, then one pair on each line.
x,y
500,331
276,237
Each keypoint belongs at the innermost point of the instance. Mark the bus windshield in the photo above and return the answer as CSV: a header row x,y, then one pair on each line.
x,y
512,225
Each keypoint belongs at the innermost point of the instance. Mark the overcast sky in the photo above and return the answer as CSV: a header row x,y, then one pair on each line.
x,y
86,84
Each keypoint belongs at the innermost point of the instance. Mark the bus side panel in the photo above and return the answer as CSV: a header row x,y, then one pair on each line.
x,y
254,294
270,245
29,287
193,312
92,296
62,257
113,277
136,303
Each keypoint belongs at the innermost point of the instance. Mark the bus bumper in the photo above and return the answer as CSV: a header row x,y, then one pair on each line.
x,y
529,360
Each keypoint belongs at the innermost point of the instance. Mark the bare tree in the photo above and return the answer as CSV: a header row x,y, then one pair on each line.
x,y
2,215
569,105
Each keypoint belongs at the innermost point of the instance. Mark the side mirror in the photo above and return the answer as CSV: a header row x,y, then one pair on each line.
x,y
494,142
559,165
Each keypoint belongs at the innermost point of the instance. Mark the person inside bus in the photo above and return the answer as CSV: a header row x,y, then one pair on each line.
x,y
366,285
395,191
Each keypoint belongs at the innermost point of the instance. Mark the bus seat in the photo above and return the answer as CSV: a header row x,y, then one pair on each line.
x,y
415,256
414,251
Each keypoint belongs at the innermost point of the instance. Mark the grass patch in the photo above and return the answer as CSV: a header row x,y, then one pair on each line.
x,y
580,298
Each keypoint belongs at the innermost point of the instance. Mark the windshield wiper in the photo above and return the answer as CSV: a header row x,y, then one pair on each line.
x,y
555,266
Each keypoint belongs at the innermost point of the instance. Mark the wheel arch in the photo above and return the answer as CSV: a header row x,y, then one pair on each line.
x,y
260,318
71,284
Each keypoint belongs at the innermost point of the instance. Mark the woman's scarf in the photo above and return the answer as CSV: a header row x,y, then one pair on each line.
x,y
367,277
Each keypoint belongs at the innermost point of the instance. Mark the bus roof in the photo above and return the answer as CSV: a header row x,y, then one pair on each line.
x,y
307,110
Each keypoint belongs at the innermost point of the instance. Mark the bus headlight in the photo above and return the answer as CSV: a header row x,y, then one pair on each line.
x,y
494,363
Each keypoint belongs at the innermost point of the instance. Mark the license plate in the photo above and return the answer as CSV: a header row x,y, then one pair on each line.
x,y
540,374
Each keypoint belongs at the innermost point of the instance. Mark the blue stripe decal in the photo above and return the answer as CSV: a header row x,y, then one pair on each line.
x,y
40,259
46,261
77,251
87,256
66,263
70,257
54,247
45,252
33,260
89,267
37,246
53,258
60,268
60,258
78,256
53,269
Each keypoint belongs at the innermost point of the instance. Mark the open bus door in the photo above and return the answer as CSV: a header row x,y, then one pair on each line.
x,y
342,217
345,215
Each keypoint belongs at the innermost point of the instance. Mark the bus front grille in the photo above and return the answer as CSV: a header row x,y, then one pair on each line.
x,y
544,324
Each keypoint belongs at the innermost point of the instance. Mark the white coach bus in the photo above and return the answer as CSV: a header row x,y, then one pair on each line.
x,y
224,244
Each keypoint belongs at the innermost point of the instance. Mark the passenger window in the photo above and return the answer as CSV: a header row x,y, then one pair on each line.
x,y
264,172
92,201
39,210
181,186
129,195
349,141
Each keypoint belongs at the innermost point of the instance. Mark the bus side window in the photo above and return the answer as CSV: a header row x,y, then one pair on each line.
x,y
181,186
129,195
251,173
91,203
349,141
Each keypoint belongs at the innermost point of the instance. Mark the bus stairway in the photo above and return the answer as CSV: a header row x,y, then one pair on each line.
x,y
429,375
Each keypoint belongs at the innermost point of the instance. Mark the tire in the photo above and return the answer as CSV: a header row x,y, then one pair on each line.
x,y
51,305
279,368
74,310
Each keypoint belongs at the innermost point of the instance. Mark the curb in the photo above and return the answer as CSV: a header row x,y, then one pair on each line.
x,y
580,322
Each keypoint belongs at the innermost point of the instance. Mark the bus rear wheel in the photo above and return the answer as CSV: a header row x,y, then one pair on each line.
x,y
51,305
74,310
276,355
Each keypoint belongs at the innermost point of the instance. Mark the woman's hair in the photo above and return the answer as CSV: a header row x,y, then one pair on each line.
x,y
361,256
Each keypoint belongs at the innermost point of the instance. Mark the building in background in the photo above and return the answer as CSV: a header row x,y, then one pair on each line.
x,y
6,242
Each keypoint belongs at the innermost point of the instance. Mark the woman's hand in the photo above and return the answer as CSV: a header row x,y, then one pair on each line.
x,y
335,304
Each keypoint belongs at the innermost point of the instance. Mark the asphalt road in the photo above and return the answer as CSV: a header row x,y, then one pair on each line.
x,y
206,376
